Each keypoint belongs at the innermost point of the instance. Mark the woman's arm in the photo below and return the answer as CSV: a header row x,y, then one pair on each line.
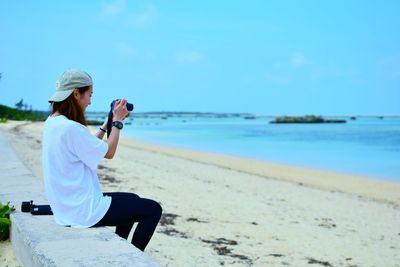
x,y
102,130
119,114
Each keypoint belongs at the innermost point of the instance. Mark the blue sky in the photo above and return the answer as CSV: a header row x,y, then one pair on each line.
x,y
263,57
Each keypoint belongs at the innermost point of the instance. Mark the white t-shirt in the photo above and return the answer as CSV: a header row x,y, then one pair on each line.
x,y
70,158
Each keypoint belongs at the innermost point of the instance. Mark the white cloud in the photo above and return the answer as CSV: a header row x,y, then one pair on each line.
x,y
189,57
277,78
113,9
120,12
143,19
299,60
124,49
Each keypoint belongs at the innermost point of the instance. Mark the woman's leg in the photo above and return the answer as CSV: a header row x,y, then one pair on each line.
x,y
122,229
128,208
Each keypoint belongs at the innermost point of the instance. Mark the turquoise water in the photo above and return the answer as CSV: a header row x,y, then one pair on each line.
x,y
365,146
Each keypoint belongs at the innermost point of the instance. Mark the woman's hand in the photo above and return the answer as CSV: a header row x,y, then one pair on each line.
x,y
120,111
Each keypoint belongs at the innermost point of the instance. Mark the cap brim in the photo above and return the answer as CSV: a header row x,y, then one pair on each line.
x,y
60,95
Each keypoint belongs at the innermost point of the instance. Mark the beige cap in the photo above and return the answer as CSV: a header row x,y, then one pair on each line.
x,y
68,81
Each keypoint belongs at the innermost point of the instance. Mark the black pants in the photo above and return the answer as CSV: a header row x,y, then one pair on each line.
x,y
128,208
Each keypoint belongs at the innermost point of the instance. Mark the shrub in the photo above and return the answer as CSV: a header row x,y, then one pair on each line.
x,y
18,115
5,222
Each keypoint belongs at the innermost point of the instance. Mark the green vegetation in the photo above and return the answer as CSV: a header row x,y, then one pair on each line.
x,y
7,113
5,222
305,119
94,122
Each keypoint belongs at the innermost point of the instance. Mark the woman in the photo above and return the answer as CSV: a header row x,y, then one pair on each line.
x,y
70,158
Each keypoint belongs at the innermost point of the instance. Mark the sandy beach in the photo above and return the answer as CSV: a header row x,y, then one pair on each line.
x,y
221,210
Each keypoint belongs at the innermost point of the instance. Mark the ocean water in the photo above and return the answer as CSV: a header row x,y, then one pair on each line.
x,y
365,146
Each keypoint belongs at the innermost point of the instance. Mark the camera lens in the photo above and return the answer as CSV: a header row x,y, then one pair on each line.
x,y
129,106
26,206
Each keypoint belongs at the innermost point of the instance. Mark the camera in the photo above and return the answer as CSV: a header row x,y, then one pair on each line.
x,y
129,107
28,206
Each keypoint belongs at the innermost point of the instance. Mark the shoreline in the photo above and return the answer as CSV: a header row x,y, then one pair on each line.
x,y
364,186
222,210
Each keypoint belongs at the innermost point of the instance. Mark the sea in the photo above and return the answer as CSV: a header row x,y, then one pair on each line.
x,y
366,146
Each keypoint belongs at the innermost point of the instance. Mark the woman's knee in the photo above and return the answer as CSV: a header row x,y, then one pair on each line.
x,y
157,209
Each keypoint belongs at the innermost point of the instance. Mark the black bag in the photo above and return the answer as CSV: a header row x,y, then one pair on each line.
x,y
41,210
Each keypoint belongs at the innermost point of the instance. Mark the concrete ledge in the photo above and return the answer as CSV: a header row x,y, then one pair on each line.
x,y
39,241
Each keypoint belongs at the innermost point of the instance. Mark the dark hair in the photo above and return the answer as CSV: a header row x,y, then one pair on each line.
x,y
70,107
